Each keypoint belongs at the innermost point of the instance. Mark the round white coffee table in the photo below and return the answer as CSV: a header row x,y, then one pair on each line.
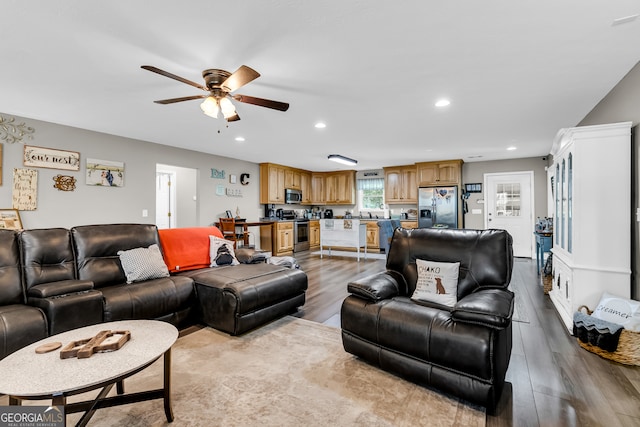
x,y
27,375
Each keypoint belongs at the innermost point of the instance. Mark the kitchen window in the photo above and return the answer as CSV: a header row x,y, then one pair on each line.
x,y
370,194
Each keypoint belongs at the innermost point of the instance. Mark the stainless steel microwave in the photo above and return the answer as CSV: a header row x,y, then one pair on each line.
x,y
292,196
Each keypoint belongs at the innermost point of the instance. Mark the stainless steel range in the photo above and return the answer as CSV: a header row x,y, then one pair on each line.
x,y
300,235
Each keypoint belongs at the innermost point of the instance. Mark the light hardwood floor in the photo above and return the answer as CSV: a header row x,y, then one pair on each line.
x,y
551,380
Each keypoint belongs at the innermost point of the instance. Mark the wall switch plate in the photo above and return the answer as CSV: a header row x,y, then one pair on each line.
x,y
145,213
476,211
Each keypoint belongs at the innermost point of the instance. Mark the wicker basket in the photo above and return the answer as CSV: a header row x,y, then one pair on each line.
x,y
547,283
628,351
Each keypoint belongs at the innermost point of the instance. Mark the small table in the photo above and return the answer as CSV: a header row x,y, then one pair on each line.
x,y
27,375
543,244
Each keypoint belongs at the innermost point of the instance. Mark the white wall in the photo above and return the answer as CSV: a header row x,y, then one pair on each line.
x,y
473,172
620,105
97,205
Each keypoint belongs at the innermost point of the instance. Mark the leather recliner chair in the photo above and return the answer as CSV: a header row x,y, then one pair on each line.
x,y
462,350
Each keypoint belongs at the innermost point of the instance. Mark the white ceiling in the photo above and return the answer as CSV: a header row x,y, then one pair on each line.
x,y
515,71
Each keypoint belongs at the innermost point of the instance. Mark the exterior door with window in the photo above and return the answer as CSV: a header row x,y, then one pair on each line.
x,y
509,206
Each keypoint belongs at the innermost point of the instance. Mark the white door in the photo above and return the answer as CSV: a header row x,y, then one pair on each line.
x,y
165,199
509,206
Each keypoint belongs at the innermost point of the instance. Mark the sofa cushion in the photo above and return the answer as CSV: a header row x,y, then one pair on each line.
x,y
437,282
143,264
150,299
20,325
485,256
97,246
221,252
187,248
11,291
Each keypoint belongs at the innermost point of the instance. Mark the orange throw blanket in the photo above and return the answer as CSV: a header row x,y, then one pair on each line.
x,y
187,248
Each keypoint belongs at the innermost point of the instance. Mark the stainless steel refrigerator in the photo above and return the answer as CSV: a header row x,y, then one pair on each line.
x,y
438,207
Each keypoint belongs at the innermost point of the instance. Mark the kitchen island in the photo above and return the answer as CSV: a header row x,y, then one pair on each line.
x,y
349,233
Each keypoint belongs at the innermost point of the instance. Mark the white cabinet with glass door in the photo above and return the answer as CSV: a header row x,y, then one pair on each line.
x,y
592,209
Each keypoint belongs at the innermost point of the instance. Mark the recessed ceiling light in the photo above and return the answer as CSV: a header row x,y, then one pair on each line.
x,y
442,103
320,125
512,148
240,139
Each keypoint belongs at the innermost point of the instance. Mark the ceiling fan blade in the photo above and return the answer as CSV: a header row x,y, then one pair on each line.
x,y
239,78
173,76
184,98
234,118
276,105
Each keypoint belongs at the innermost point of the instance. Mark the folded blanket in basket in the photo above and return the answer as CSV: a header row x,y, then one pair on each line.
x,y
596,331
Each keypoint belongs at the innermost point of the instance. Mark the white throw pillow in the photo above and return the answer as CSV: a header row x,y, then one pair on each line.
x,y
143,264
221,252
623,311
437,282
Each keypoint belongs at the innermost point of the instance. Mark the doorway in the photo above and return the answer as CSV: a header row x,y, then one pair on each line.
x,y
176,196
509,206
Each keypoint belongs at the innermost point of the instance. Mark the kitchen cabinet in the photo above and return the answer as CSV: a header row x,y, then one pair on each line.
x,y
314,234
373,235
400,184
272,180
284,238
592,216
305,187
409,223
317,188
292,179
339,188
439,173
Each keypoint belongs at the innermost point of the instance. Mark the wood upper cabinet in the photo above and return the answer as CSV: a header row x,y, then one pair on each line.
x,y
272,183
317,188
400,184
305,187
339,188
439,173
293,179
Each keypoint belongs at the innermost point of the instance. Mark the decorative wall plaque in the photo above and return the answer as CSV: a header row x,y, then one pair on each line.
x,y
40,157
11,132
64,182
25,189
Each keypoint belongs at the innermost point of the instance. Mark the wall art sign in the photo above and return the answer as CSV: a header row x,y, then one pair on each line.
x,y
11,132
10,219
105,173
64,182
41,157
25,189
215,173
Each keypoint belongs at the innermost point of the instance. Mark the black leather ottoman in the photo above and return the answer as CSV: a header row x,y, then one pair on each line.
x,y
236,299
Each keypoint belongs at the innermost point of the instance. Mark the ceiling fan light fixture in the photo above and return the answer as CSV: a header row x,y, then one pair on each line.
x,y
227,108
210,107
342,159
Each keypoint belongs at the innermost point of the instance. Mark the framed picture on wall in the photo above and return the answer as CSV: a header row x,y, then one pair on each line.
x,y
10,219
105,173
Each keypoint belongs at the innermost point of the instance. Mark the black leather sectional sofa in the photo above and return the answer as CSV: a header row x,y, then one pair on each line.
x,y
53,280
462,349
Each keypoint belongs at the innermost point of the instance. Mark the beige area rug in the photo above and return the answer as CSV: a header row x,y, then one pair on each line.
x,y
292,372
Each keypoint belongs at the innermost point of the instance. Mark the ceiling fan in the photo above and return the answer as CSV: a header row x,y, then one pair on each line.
x,y
219,84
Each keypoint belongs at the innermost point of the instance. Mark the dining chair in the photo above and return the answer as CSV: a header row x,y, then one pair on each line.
x,y
229,229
